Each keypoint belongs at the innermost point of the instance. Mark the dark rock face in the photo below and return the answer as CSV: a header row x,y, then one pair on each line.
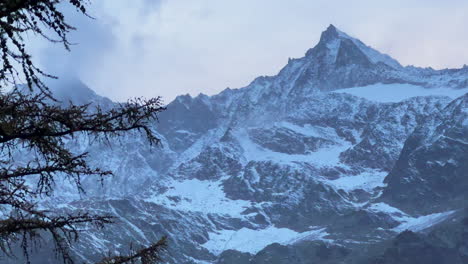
x,y
349,54
234,257
447,243
387,127
212,163
431,173
304,252
409,247
287,141
185,112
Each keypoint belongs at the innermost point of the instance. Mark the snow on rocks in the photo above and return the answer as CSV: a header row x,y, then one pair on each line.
x,y
195,195
397,92
252,241
367,181
420,223
408,222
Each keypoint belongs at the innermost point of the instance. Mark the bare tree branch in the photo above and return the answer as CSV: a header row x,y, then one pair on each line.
x,y
33,121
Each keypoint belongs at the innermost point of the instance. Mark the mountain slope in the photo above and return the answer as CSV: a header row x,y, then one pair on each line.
x,y
290,165
431,171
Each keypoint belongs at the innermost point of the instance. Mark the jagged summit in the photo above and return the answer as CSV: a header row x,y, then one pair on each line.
x,y
329,34
341,61
342,49
333,33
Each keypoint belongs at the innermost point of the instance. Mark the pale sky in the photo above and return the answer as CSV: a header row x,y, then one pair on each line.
x,y
172,47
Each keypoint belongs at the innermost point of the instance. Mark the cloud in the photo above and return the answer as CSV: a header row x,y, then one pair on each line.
x,y
150,48
92,43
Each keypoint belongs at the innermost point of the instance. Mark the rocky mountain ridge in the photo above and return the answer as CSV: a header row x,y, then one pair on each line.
x,y
290,169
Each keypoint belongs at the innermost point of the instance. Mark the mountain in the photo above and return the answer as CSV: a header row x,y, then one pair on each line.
x,y
293,168
431,170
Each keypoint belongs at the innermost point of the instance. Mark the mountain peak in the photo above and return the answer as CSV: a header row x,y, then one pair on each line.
x,y
71,89
330,34
331,27
331,42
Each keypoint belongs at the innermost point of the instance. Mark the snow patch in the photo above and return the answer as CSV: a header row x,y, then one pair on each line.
x,y
199,196
408,222
420,223
307,129
398,92
333,47
328,156
252,241
181,131
367,181
383,207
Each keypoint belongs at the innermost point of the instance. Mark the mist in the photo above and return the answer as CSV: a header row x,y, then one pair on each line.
x,y
151,48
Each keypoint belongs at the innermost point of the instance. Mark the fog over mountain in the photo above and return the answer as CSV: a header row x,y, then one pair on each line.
x,y
167,48
344,156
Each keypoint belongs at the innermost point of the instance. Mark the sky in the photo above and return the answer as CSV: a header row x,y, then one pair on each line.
x,y
172,47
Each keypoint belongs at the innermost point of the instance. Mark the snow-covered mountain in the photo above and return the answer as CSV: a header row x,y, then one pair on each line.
x,y
321,163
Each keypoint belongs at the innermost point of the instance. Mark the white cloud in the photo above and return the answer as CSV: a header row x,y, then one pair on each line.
x,y
173,47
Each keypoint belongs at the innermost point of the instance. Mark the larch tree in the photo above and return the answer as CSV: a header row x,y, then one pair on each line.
x,y
35,122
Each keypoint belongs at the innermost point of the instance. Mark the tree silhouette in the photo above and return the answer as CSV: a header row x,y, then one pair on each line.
x,y
32,120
